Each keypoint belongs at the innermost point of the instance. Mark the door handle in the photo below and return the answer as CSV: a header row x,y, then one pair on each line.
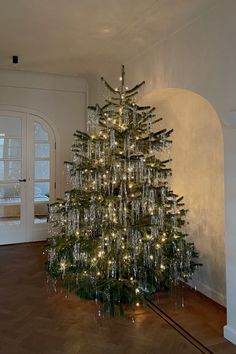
x,y
22,180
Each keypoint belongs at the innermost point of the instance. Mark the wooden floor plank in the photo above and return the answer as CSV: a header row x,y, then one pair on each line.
x,y
34,320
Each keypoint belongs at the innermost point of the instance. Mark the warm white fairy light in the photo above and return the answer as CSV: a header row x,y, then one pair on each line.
x,y
121,205
62,266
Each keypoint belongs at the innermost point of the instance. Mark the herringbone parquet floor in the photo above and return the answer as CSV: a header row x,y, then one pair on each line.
x,y
34,320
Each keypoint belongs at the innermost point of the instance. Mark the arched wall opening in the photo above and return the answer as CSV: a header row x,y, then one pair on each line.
x,y
198,175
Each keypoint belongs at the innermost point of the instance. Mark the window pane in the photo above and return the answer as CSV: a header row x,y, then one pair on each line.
x,y
39,132
10,201
10,170
10,148
41,191
9,192
41,150
40,213
10,126
42,170
41,200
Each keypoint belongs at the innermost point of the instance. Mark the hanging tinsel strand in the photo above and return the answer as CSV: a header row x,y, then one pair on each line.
x,y
118,235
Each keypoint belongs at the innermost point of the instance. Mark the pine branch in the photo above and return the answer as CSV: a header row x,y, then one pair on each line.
x,y
135,88
108,86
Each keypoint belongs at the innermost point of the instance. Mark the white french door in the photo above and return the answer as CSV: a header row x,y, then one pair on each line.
x,y
27,175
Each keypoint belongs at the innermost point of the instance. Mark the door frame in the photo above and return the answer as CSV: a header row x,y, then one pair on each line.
x,y
34,232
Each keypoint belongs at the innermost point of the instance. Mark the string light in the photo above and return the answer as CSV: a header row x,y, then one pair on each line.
x,y
110,226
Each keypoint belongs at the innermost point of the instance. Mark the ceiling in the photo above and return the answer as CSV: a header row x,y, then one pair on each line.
x,y
82,37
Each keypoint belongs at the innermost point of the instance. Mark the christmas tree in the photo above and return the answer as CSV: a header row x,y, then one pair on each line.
x,y
118,234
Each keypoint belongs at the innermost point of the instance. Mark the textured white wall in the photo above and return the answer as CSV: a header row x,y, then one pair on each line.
x,y
197,167
201,57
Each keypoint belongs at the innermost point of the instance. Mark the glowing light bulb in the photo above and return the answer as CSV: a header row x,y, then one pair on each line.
x,y
63,265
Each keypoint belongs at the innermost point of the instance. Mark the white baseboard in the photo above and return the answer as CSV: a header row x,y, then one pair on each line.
x,y
230,334
211,293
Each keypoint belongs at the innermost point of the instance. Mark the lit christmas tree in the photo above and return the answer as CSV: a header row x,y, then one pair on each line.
x,y
118,235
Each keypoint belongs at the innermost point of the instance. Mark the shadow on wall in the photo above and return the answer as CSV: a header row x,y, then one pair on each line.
x,y
198,175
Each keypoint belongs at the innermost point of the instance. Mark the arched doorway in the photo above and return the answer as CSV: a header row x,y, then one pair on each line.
x,y
27,176
198,175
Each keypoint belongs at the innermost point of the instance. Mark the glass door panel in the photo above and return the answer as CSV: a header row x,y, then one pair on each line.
x,y
10,148
41,173
12,177
10,203
10,126
27,162
42,150
10,170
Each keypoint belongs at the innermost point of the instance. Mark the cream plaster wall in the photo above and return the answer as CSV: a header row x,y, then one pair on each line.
x,y
197,167
201,57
